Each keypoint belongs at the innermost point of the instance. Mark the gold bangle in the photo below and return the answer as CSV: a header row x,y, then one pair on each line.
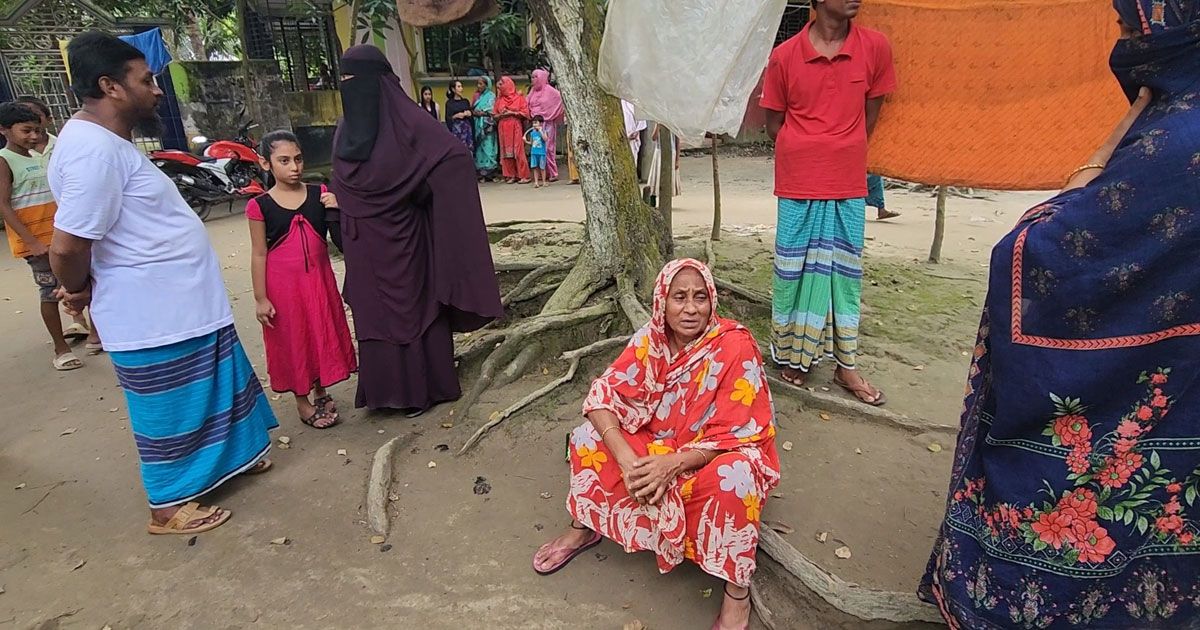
x,y
605,432
1085,167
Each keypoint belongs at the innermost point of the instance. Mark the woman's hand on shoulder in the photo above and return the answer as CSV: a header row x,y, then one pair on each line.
x,y
329,200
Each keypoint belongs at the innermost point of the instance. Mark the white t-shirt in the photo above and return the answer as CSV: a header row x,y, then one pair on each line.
x,y
157,280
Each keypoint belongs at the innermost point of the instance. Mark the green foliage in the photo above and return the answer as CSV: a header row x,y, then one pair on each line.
x,y
374,16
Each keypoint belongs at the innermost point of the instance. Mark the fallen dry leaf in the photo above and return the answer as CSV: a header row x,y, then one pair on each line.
x,y
634,625
919,368
19,486
447,425
825,417
114,410
285,446
341,451
858,451
934,447
381,431
63,410
776,495
822,537
780,526
432,465
842,552
706,593
80,565
787,446
276,396
283,439
544,495
68,432
282,540
377,540
393,498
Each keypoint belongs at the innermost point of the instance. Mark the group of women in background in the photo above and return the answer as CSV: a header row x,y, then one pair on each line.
x,y
492,125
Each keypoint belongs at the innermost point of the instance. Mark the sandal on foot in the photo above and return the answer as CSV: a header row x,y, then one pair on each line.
x,y
884,215
259,468
76,331
864,393
588,544
326,404
66,362
93,348
316,417
186,514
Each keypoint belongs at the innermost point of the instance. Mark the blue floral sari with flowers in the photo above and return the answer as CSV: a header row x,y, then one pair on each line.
x,y
1075,495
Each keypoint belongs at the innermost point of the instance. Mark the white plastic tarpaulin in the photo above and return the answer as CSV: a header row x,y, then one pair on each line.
x,y
688,64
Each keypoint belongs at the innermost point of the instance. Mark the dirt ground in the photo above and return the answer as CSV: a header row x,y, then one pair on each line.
x,y
73,552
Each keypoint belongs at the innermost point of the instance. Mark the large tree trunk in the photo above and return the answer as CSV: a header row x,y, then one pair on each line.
x,y
623,237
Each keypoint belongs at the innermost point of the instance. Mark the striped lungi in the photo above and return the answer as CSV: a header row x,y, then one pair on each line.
x,y
818,282
198,414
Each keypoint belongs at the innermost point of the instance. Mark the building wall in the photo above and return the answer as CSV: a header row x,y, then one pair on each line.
x,y
211,93
314,117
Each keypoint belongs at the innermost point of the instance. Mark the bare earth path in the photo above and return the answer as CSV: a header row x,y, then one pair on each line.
x,y
73,552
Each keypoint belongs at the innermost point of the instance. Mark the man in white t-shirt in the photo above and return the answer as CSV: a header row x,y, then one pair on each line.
x,y
126,243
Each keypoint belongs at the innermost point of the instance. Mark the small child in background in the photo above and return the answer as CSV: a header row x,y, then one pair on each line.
x,y
28,209
297,300
537,151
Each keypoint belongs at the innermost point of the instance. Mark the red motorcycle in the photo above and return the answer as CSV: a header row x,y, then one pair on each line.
x,y
219,172
243,160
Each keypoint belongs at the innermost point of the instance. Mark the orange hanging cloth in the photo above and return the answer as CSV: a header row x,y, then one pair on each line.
x,y
1007,95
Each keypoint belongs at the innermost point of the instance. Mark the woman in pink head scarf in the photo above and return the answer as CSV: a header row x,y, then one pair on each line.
x,y
546,101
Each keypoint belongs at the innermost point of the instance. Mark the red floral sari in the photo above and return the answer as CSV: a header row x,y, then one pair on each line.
x,y
712,396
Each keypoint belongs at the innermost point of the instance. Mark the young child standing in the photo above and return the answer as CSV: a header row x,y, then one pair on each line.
x,y
80,328
304,324
537,151
28,207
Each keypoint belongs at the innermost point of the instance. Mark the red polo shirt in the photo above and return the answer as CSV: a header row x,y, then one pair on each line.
x,y
821,152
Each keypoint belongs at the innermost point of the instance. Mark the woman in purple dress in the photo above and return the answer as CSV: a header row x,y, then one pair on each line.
x,y
418,263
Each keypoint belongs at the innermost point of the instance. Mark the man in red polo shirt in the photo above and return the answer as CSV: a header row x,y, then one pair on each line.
x,y
823,92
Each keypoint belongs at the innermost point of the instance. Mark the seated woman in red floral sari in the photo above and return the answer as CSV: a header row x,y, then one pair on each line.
x,y
678,452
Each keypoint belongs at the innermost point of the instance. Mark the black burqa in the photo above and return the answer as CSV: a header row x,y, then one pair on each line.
x,y
418,262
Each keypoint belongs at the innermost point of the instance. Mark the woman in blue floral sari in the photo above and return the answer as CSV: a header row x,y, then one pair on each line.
x,y
1074,496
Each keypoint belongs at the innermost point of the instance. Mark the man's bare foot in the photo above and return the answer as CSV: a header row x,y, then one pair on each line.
x,y
793,376
735,609
554,552
884,215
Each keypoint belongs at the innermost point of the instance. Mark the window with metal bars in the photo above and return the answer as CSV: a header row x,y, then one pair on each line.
x,y
303,46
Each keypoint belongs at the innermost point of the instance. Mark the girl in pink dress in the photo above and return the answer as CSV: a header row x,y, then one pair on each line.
x,y
296,295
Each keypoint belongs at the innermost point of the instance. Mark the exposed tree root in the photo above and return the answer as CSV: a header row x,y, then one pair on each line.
x,y
515,340
765,616
630,305
518,292
574,356
748,295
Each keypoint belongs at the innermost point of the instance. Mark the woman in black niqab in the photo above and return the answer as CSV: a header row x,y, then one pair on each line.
x,y
418,261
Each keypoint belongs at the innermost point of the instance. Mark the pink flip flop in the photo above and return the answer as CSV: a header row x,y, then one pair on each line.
x,y
591,542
